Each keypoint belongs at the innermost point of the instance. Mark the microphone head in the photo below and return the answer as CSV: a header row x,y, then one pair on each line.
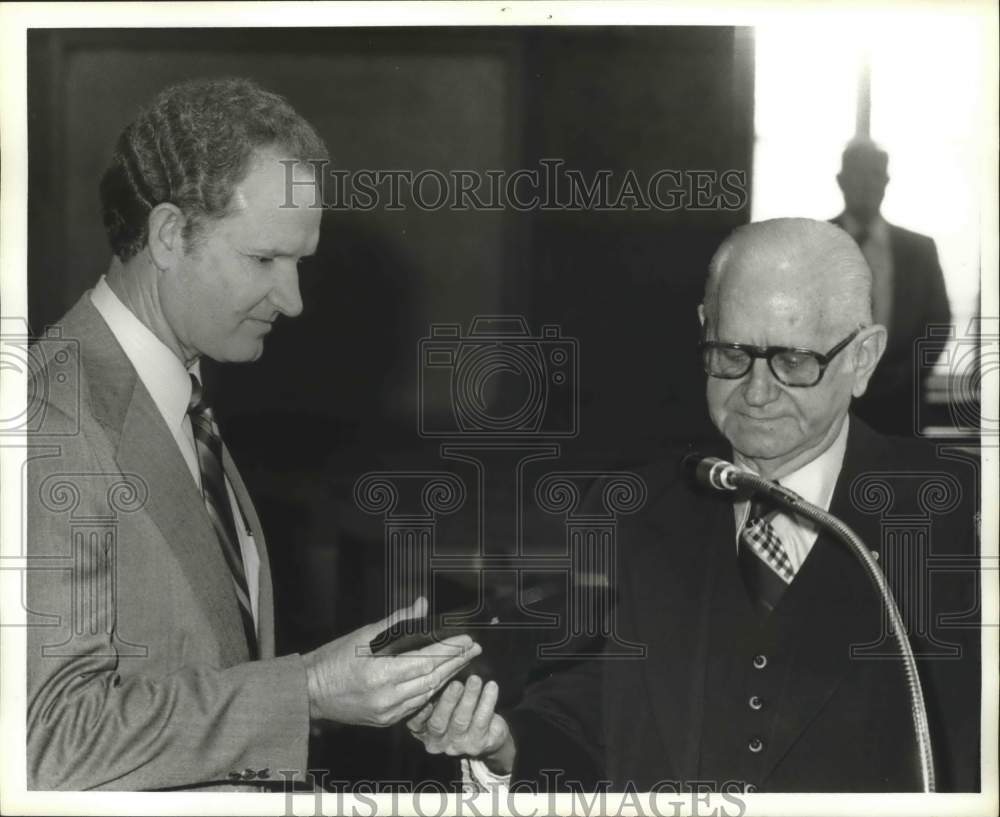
x,y
710,472
691,467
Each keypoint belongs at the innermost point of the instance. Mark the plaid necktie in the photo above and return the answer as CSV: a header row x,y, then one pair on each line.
x,y
764,563
208,444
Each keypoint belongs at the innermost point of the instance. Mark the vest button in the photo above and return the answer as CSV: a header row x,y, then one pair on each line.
x,y
755,702
759,661
756,745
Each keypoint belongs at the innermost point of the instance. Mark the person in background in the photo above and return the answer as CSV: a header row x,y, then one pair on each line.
x,y
908,290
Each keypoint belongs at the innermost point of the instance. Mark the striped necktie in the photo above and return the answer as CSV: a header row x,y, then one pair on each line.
x,y
763,560
208,445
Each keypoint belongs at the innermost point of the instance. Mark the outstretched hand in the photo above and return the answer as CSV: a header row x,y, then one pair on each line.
x,y
349,685
462,722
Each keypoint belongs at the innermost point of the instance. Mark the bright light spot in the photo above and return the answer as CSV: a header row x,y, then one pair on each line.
x,y
931,99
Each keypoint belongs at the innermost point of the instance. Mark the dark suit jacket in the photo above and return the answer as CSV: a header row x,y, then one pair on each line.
x,y
919,300
138,671
841,722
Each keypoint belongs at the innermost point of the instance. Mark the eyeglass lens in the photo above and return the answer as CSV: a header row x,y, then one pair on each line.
x,y
792,368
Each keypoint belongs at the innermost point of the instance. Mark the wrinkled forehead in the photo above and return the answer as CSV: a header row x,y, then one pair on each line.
x,y
777,295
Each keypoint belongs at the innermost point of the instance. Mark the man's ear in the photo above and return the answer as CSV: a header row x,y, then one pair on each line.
x,y
166,240
867,353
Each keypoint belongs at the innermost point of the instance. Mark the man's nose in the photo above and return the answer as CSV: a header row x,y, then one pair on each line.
x,y
285,294
761,388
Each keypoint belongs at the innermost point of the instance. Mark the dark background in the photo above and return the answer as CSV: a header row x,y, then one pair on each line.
x,y
335,394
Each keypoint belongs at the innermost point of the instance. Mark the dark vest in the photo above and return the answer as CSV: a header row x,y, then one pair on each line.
x,y
745,684
748,692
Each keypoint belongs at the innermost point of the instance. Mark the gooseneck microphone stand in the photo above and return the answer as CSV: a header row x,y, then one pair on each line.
x,y
724,476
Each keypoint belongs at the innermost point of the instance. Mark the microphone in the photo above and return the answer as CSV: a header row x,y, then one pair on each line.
x,y
720,475
711,472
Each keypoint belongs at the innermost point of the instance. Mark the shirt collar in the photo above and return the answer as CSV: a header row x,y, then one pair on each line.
x,y
877,228
816,480
160,370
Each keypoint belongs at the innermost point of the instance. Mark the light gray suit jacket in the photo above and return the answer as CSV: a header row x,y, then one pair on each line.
x,y
138,672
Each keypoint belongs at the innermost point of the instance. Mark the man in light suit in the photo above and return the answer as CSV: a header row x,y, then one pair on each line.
x,y
768,665
908,291
151,658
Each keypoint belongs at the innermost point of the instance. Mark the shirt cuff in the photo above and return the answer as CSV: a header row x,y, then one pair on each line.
x,y
477,777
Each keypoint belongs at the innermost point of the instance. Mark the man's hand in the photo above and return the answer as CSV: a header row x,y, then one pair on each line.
x,y
348,684
462,722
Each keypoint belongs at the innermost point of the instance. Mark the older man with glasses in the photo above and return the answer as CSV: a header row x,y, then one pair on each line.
x,y
768,666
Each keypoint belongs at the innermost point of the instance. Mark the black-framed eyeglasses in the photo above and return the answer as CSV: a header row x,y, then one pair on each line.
x,y
799,368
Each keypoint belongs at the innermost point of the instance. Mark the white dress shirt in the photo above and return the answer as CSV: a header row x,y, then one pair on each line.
x,y
814,482
168,383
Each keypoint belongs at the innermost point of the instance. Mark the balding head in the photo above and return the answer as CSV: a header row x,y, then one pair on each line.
x,y
774,286
798,255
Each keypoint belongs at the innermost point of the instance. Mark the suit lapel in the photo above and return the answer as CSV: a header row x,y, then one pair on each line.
x,y
822,617
688,536
829,607
146,447
265,599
